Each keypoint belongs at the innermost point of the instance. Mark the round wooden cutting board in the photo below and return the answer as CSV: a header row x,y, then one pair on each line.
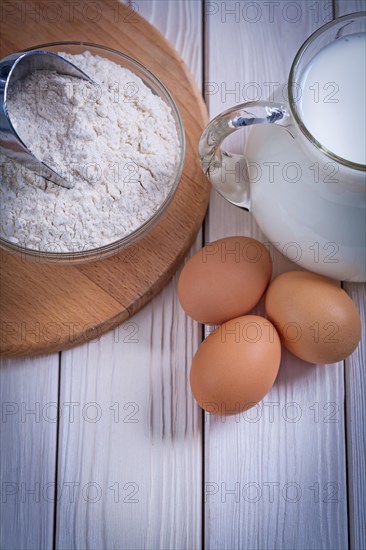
x,y
45,307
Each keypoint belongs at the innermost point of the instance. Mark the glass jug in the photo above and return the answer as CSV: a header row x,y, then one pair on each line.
x,y
309,201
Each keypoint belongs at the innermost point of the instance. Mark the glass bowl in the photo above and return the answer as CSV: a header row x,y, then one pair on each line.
x,y
158,88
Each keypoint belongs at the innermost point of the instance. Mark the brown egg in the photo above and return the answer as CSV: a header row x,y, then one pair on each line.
x,y
316,320
225,279
236,365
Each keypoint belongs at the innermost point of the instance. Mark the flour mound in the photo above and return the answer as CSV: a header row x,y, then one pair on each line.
x,y
115,140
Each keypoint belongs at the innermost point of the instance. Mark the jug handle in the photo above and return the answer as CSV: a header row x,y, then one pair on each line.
x,y
221,167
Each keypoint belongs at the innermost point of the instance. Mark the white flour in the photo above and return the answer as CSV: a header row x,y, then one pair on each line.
x,y
118,142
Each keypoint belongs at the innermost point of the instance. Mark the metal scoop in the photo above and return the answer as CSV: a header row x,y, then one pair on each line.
x,y
13,68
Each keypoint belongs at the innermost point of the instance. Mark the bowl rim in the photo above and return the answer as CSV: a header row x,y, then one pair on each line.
x,y
117,246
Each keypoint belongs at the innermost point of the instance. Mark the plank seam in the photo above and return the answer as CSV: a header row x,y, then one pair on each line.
x,y
346,435
57,451
347,444
203,414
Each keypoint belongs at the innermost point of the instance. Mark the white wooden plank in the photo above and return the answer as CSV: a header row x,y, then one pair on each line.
x,y
152,453
147,443
355,375
342,7
28,396
181,23
288,477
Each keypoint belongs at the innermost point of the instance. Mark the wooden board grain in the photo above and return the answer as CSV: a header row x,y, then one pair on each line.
x,y
92,298
275,477
150,433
